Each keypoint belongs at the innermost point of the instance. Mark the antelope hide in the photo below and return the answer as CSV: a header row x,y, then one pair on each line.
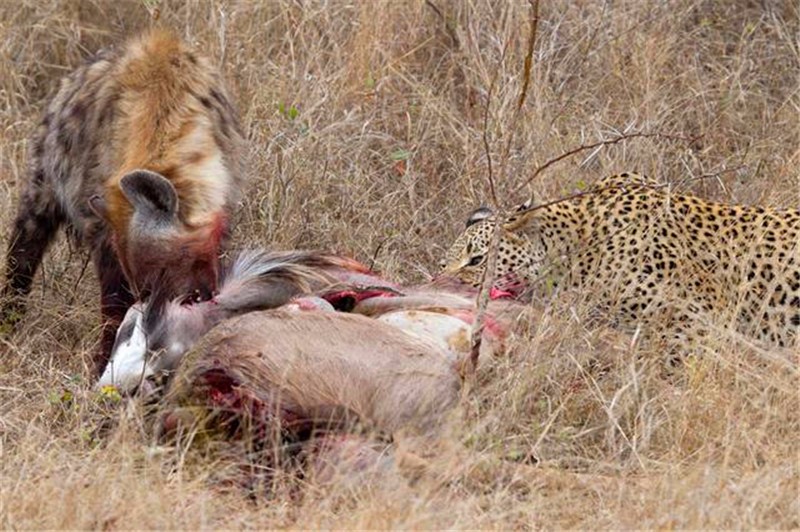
x,y
307,371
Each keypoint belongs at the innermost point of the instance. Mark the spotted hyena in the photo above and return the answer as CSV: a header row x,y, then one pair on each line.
x,y
138,155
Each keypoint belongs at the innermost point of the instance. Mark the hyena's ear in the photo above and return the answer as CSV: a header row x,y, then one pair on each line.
x,y
151,195
481,213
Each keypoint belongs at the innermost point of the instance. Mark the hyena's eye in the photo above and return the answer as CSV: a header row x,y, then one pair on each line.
x,y
197,296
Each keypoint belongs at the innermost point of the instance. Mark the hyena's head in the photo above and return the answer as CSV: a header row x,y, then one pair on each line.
x,y
159,251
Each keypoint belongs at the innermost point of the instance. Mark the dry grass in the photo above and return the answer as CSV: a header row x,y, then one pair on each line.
x,y
382,159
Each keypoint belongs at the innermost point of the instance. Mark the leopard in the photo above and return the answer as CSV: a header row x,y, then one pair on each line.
x,y
647,255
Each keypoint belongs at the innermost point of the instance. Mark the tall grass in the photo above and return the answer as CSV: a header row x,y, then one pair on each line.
x,y
365,123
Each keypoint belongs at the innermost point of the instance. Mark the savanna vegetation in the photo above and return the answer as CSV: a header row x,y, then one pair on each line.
x,y
370,127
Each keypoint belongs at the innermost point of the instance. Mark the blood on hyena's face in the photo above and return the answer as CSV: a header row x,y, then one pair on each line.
x,y
158,251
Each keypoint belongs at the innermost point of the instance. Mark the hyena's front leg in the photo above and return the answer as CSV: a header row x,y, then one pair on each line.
x,y
38,219
115,300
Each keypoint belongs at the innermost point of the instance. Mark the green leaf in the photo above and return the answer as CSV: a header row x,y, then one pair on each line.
x,y
63,397
516,455
293,113
550,285
401,155
581,184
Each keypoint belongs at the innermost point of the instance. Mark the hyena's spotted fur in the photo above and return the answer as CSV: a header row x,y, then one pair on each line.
x,y
151,105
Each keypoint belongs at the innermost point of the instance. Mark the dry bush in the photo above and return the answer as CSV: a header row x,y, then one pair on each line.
x,y
365,122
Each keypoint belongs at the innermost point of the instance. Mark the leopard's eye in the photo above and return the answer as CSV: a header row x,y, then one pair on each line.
x,y
477,259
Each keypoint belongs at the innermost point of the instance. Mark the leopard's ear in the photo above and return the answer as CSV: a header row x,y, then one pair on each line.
x,y
479,214
524,206
520,216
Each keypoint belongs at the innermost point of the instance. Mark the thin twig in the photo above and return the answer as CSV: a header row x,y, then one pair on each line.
x,y
608,142
469,365
486,147
579,195
450,31
529,54
575,71
710,175
526,78
78,280
375,253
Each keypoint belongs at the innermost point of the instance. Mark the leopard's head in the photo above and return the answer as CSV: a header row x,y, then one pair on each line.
x,y
466,258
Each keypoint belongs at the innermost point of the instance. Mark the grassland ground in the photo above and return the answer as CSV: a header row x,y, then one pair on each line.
x,y
366,125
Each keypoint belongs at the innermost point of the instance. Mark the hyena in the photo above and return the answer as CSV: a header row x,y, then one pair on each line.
x,y
138,155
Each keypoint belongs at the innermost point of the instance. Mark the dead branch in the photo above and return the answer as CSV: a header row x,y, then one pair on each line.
x,y
447,27
469,366
529,55
485,136
608,142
